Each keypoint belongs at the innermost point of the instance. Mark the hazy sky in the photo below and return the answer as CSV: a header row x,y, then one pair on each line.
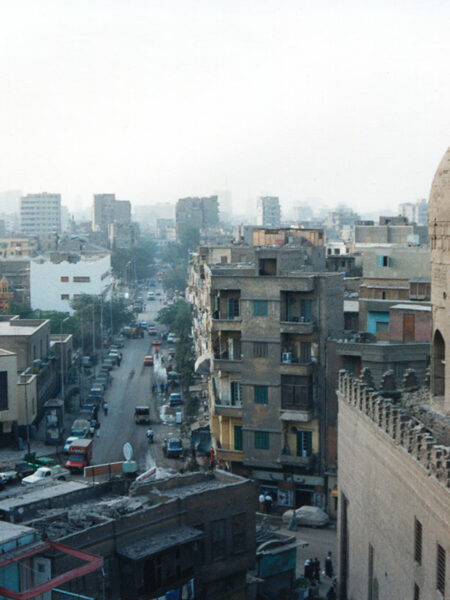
x,y
345,101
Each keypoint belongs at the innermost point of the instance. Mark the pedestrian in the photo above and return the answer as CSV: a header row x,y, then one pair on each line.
x,y
261,502
331,594
307,569
329,566
161,387
316,569
268,503
162,359
105,408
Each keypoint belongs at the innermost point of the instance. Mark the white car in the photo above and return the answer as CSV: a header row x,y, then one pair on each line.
x,y
44,474
68,443
170,338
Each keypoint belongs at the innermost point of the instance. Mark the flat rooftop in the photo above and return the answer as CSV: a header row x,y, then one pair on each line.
x,y
10,532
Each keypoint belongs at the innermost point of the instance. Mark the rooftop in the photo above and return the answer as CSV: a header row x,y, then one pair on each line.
x,y
10,532
154,543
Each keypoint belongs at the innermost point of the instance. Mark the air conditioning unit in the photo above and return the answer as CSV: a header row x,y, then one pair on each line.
x,y
286,358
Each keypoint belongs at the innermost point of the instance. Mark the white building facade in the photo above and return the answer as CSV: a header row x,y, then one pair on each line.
x,y
268,212
54,285
40,214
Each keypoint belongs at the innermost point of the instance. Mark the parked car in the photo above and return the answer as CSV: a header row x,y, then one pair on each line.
x,y
171,352
148,361
7,474
109,363
44,474
118,341
170,338
23,469
173,448
311,516
67,443
175,399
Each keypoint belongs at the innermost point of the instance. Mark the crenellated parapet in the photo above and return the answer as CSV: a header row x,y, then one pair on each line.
x,y
397,422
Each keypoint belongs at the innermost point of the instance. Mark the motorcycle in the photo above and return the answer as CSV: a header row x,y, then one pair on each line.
x,y
150,436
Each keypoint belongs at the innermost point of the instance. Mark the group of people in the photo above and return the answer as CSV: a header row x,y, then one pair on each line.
x,y
312,573
265,502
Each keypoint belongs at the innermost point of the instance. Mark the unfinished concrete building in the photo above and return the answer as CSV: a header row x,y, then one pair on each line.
x,y
260,331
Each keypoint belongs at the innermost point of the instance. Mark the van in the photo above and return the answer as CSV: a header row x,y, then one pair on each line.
x,y
175,399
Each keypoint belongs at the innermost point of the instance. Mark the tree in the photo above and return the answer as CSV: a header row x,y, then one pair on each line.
x,y
175,279
134,263
177,317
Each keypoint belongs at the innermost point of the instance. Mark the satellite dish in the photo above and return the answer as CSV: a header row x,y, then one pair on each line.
x,y
127,451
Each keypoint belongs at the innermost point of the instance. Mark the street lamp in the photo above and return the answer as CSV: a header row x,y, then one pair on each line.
x,y
62,356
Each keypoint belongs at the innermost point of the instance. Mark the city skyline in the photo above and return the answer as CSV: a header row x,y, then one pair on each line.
x,y
155,102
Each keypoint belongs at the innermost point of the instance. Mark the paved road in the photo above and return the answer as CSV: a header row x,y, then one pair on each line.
x,y
125,393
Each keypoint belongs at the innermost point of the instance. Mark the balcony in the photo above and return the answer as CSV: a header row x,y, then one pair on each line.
x,y
298,461
229,454
298,415
227,350
228,409
221,322
301,325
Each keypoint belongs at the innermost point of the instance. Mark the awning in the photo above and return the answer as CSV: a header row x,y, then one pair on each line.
x,y
157,542
203,364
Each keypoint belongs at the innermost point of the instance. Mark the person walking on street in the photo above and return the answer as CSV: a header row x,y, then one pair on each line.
x,y
261,502
307,569
105,408
316,569
329,566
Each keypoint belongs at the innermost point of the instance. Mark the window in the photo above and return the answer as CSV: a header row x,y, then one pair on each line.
x,y
440,570
233,308
296,392
64,296
384,261
306,307
262,440
3,390
260,350
304,443
261,394
238,533
218,549
260,308
81,279
64,279
236,389
238,441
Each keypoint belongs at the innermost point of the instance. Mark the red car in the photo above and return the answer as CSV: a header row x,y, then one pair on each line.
x,y
156,342
148,361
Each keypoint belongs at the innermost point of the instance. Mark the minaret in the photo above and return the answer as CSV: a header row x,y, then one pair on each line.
x,y
439,231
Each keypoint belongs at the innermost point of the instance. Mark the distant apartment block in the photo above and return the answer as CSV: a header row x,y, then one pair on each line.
x,y
415,212
201,213
268,212
107,210
390,230
40,214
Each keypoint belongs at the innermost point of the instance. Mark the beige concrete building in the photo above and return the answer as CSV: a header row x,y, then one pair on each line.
x,y
394,460
261,326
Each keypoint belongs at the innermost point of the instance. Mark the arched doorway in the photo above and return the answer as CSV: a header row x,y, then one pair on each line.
x,y
438,364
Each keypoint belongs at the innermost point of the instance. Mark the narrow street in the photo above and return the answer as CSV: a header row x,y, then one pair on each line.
x,y
129,390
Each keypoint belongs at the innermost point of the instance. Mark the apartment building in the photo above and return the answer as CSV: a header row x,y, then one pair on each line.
x,y
57,278
415,212
391,274
392,230
260,331
40,214
106,210
268,212
201,213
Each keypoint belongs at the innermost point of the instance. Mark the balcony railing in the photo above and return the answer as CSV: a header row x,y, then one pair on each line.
x,y
288,358
302,319
224,316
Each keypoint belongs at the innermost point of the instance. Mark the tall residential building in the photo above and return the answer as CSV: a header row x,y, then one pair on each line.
x,y
415,212
107,210
394,457
268,212
40,214
261,325
197,212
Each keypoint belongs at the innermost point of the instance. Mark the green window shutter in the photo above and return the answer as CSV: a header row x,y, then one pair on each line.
x,y
261,394
260,308
238,442
262,440
379,261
